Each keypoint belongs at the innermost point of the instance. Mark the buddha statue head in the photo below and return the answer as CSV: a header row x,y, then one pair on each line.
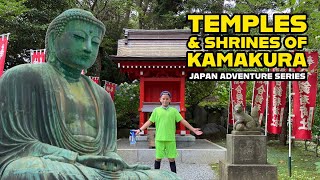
x,y
73,39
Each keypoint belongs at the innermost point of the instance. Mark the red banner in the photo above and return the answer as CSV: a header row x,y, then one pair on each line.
x,y
237,96
259,97
38,56
95,79
276,103
304,99
110,88
3,51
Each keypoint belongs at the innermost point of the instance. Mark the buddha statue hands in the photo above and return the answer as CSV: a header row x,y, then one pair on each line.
x,y
111,162
102,162
126,166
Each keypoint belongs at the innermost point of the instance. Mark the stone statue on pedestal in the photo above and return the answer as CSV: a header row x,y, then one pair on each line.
x,y
246,150
56,123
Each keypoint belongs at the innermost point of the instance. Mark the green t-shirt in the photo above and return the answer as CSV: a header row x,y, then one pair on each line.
x,y
165,120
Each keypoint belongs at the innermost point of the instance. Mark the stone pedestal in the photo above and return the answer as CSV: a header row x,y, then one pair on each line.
x,y
247,159
151,137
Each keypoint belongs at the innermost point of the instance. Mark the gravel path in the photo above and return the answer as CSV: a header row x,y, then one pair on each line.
x,y
189,171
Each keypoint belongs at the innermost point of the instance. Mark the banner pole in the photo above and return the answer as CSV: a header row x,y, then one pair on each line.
x,y
290,117
267,102
252,101
230,89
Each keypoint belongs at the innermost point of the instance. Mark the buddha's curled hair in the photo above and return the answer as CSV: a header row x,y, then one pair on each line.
x,y
59,23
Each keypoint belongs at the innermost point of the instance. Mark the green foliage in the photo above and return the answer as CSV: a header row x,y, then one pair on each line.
x,y
11,9
127,104
170,14
316,125
317,166
203,6
27,21
222,93
311,8
165,15
302,161
196,91
253,6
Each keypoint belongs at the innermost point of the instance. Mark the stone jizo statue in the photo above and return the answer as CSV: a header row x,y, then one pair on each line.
x,y
245,122
56,123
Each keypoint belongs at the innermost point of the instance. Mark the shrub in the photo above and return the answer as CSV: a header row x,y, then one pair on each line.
x,y
127,104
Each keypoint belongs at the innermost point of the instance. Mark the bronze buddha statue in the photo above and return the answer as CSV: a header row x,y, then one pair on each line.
x,y
56,123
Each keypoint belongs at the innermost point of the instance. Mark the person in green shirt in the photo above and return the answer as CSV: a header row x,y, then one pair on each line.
x,y
165,118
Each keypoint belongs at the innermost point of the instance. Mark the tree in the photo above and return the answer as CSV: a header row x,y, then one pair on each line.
x,y
312,9
203,6
166,14
196,91
143,13
11,9
27,21
254,6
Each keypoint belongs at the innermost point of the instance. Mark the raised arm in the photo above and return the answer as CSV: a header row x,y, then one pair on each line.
x,y
187,125
145,126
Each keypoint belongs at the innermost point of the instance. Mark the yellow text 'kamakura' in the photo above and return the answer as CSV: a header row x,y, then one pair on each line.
x,y
246,59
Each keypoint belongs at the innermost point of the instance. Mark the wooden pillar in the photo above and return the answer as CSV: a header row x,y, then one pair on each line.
x,y
182,102
142,114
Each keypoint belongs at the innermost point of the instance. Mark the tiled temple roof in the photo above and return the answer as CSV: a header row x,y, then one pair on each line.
x,y
153,43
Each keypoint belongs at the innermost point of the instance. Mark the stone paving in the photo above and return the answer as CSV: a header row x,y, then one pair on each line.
x,y
193,162
189,171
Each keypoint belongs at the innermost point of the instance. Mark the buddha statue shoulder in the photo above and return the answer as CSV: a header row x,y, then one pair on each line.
x,y
56,123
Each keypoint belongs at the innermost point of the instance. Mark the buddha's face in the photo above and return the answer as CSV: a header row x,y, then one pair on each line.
x,y
78,45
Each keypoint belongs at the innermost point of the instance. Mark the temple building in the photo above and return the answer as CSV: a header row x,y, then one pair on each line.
x,y
158,59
